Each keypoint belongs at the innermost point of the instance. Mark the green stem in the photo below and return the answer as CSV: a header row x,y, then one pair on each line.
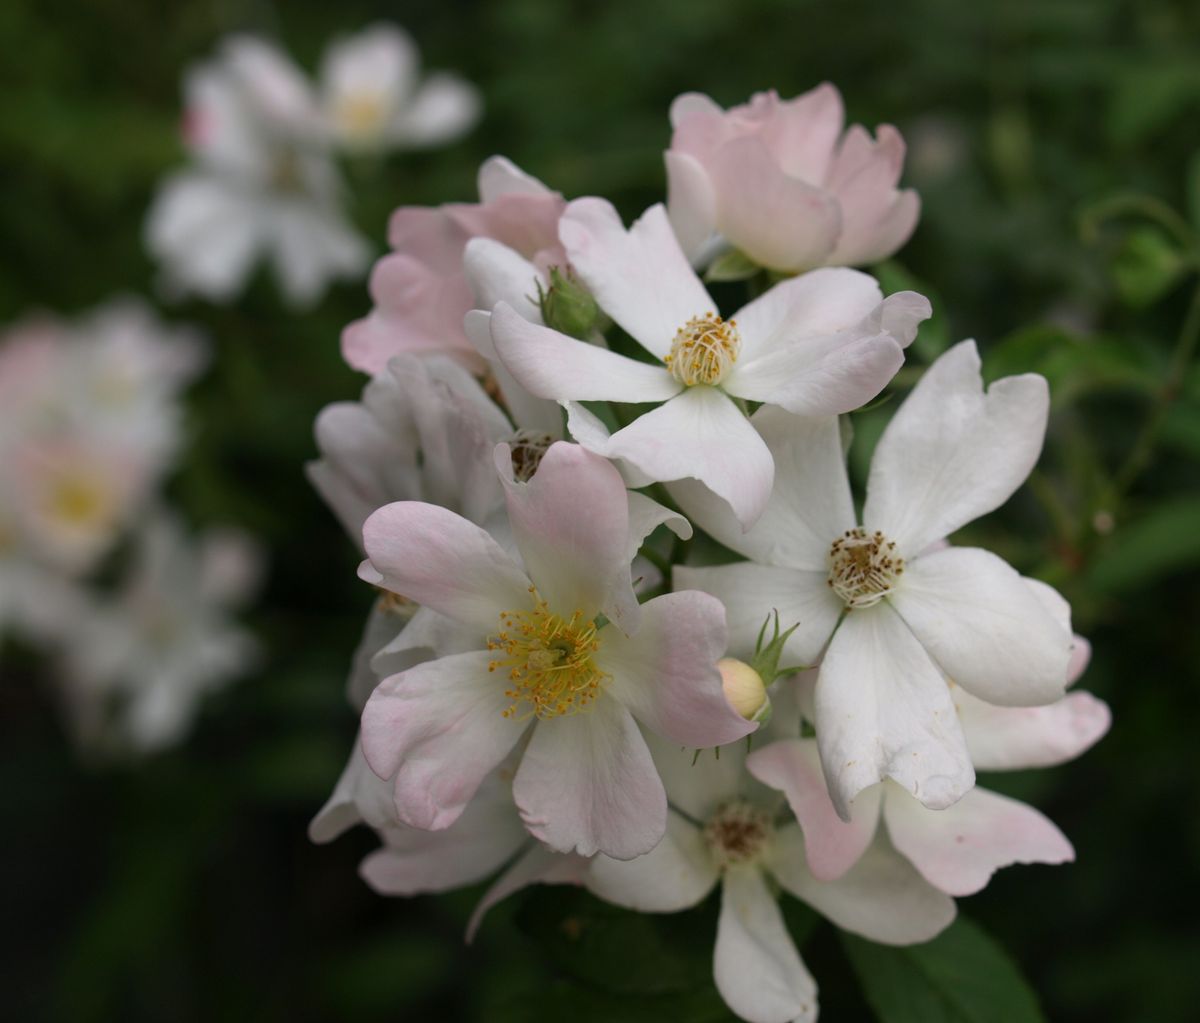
x,y
1138,204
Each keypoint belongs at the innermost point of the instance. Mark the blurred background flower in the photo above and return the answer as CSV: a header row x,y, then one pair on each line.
x,y
1059,177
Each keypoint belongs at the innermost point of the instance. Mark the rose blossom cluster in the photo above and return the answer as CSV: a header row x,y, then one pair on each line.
x,y
262,183
555,685
94,570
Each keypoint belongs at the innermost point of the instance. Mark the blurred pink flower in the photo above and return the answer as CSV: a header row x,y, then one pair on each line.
x,y
421,291
780,181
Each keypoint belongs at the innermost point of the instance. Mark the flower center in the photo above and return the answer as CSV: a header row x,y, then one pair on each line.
x,y
80,501
737,832
361,114
528,446
863,568
704,350
548,660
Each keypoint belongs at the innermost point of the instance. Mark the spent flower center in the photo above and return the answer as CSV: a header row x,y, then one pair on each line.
x,y
737,832
528,447
863,567
704,350
548,661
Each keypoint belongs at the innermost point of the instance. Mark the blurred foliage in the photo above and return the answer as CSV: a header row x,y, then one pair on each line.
x,y
1053,143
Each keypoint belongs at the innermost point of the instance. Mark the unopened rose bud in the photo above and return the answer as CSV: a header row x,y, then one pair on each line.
x,y
567,306
744,689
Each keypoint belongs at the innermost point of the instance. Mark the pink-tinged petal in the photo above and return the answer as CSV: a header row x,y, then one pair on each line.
x,y
439,559
360,796
1015,738
383,627
676,874
439,728
816,303
779,221
538,865
479,843
689,104
803,132
552,365
752,592
810,504
985,627
640,277
881,897
884,711
499,176
666,674
586,784
699,434
755,963
951,452
876,218
819,376
1081,656
958,849
419,310
570,522
691,203
832,846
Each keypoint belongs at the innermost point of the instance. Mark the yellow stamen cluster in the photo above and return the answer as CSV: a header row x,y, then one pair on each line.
x,y
361,114
79,500
737,832
528,447
704,350
863,568
548,661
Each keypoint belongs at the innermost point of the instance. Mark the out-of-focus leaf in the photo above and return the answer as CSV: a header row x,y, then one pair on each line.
x,y
962,976
1148,264
1193,188
1163,541
565,1001
1149,96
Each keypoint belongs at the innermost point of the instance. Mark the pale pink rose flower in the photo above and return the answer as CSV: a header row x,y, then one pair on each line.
x,y
823,343
420,289
898,612
782,182
586,782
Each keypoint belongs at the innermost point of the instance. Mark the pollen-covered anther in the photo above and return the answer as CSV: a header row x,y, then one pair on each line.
x,y
704,350
737,832
547,661
863,567
528,447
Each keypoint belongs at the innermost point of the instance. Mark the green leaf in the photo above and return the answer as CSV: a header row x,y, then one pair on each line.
x,y
1148,264
1163,541
962,976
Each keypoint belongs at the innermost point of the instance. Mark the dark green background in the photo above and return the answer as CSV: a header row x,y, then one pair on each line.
x,y
183,888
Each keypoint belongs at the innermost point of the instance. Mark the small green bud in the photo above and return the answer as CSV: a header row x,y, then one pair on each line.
x,y
767,654
567,306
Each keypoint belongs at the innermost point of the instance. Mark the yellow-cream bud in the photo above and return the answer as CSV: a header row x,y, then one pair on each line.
x,y
743,688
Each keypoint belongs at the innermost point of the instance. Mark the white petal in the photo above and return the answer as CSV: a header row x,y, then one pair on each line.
x,y
528,411
640,277
985,627
691,203
439,729
882,897
441,560
959,848
755,964
752,592
359,796
551,365
1015,738
587,784
884,711
676,874
832,846
444,108
698,783
700,434
646,515
810,504
951,452
499,176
